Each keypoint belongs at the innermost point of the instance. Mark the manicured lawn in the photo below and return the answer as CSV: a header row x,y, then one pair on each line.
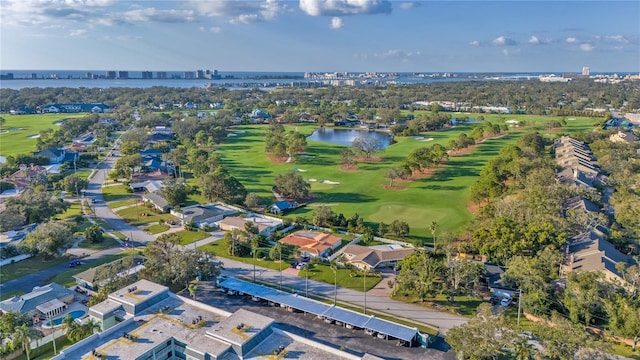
x,y
84,173
463,305
74,210
46,351
121,203
324,273
65,278
107,243
17,129
140,215
188,236
115,192
157,228
119,235
28,266
442,197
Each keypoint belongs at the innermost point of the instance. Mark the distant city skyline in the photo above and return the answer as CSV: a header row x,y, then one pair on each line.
x,y
320,35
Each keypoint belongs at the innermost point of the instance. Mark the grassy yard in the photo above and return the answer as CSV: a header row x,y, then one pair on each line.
x,y
117,234
4,295
442,197
17,133
462,305
157,228
140,215
122,203
220,249
28,266
324,273
74,210
188,236
107,243
115,192
46,351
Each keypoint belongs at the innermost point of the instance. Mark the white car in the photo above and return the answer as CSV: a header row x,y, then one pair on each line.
x,y
506,301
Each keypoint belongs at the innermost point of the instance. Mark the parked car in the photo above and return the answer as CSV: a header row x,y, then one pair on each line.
x,y
506,301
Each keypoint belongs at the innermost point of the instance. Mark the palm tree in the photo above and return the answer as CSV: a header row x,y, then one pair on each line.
x,y
23,335
193,287
523,350
72,329
433,227
90,328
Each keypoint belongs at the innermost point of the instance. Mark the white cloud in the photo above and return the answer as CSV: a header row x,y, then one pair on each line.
x,y
408,5
336,22
571,40
344,7
509,52
78,32
155,15
475,43
396,53
534,40
240,11
617,39
213,29
504,41
586,47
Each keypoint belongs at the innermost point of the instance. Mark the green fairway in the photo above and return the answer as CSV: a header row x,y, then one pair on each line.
x,y
442,197
17,132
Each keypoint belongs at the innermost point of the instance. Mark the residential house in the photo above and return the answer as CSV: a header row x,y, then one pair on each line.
x,y
87,138
41,303
282,206
623,137
591,252
157,201
148,186
92,279
203,215
312,243
266,225
492,278
375,257
55,156
580,203
22,178
76,108
575,178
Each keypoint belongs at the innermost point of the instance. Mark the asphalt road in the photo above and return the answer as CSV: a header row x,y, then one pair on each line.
x,y
94,190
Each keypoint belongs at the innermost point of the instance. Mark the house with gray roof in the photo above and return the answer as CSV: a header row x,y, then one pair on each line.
x,y
203,215
48,300
157,201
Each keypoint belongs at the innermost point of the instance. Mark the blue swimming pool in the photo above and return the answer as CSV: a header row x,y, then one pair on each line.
x,y
74,314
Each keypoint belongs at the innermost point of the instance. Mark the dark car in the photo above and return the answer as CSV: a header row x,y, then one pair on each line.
x,y
74,263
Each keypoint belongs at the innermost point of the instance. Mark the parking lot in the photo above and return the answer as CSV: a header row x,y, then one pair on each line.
x,y
309,326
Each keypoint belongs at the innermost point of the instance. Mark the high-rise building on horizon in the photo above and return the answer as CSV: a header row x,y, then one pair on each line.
x,y
161,74
585,71
110,74
147,75
123,75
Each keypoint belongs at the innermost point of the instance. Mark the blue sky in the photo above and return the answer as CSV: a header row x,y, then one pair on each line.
x,y
320,35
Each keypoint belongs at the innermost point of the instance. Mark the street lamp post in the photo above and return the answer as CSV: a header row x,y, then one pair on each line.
x,y
306,282
254,265
335,283
280,268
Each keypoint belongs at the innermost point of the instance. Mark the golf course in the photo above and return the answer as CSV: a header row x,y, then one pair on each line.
x,y
441,197
19,133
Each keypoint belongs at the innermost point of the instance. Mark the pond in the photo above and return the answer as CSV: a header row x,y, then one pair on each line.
x,y
345,136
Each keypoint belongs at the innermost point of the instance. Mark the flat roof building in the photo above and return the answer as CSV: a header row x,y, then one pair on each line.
x,y
147,321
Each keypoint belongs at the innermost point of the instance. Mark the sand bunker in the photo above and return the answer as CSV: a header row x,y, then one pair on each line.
x,y
418,137
15,129
229,135
306,156
329,182
427,139
299,170
312,180
34,136
571,119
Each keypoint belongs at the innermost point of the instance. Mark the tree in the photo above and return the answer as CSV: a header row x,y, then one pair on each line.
x,y
584,295
238,242
174,191
219,185
170,264
347,158
624,317
72,328
94,234
130,147
460,276
252,200
126,165
73,184
193,288
292,186
322,215
433,227
9,321
418,275
484,336
366,145
24,335
50,239
395,173
562,340
399,228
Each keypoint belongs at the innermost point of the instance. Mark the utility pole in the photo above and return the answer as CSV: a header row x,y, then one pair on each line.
x,y
280,268
254,265
519,305
364,289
